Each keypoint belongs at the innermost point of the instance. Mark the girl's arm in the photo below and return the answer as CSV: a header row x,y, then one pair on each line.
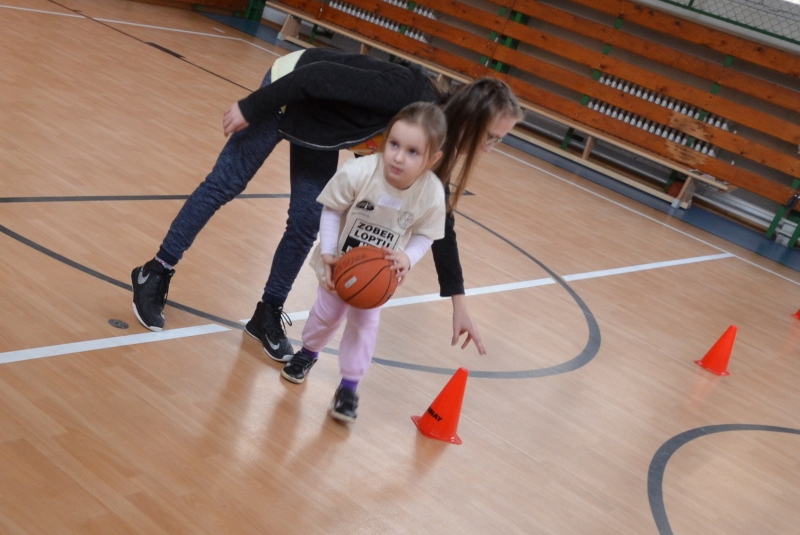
x,y
451,284
403,261
329,223
448,263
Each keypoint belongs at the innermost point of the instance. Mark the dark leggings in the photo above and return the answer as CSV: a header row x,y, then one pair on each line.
x,y
240,159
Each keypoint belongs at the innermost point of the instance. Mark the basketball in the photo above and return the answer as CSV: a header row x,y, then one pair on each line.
x,y
363,277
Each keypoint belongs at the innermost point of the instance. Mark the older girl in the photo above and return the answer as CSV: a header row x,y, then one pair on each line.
x,y
322,100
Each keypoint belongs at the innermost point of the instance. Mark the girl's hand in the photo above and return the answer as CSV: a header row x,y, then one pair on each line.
x,y
400,263
462,324
233,120
329,260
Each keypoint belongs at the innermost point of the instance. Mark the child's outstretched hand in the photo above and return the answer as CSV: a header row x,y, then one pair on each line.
x,y
329,260
400,263
233,120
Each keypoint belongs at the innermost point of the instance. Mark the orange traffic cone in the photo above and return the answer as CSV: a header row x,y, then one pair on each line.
x,y
440,421
797,314
716,360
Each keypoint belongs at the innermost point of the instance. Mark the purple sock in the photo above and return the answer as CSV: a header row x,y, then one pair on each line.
x,y
351,385
312,354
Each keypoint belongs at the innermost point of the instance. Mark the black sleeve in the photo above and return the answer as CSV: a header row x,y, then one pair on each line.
x,y
380,88
447,261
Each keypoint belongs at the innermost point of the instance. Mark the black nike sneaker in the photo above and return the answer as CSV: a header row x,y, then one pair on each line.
x,y
150,287
267,326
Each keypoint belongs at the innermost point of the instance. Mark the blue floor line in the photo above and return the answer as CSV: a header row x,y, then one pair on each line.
x,y
698,217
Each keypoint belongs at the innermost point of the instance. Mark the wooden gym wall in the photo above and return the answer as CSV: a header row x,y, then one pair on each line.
x,y
709,105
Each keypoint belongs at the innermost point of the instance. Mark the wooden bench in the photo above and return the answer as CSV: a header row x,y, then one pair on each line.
x,y
707,105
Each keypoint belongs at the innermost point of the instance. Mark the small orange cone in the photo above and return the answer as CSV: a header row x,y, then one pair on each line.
x,y
797,314
440,421
716,360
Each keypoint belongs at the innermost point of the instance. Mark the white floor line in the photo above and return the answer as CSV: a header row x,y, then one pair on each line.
x,y
537,282
499,150
148,26
17,8
645,267
430,297
105,343
640,214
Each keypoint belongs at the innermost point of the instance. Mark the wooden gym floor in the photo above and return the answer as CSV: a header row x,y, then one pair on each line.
x,y
588,415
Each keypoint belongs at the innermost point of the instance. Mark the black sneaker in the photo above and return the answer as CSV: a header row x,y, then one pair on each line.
x,y
150,287
267,326
297,369
345,403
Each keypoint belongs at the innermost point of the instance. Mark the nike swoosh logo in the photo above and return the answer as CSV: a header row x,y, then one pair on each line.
x,y
274,347
140,279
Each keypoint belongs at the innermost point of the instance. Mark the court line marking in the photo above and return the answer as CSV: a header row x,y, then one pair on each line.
x,y
140,25
498,150
17,8
635,211
164,335
106,343
171,334
538,282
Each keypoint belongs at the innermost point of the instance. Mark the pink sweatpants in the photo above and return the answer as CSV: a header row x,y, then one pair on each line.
x,y
358,339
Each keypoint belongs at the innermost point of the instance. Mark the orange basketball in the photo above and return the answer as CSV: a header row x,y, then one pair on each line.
x,y
363,277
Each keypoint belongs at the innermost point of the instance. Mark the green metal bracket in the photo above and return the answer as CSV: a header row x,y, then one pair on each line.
x,y
596,74
775,222
567,137
795,234
410,6
492,37
255,10
504,40
779,215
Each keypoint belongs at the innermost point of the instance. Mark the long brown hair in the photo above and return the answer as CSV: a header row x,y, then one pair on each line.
x,y
469,111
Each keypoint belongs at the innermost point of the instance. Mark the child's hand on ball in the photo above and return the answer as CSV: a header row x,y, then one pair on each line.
x,y
329,260
400,263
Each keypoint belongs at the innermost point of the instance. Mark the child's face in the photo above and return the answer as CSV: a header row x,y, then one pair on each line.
x,y
404,155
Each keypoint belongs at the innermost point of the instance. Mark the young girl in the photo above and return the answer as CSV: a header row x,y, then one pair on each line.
x,y
396,190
